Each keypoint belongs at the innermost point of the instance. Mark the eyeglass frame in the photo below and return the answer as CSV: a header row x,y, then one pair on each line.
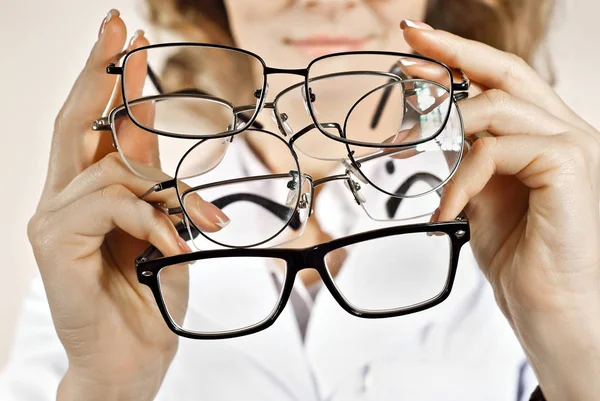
x,y
461,88
148,267
352,185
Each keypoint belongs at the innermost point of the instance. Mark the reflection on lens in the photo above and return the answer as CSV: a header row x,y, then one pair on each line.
x,y
380,206
410,269
190,76
439,157
377,97
273,203
222,294
156,157
291,111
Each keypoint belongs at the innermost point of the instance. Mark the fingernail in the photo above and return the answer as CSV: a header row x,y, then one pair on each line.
x,y
408,23
209,213
406,62
138,34
184,247
112,13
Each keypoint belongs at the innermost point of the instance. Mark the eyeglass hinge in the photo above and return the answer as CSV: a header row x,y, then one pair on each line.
x,y
460,96
165,185
114,70
462,86
101,124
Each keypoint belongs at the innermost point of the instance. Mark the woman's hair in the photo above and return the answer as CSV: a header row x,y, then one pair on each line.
x,y
516,26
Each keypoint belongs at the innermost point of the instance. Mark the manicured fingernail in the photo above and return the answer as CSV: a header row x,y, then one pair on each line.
x,y
184,247
112,13
407,62
408,23
207,213
138,34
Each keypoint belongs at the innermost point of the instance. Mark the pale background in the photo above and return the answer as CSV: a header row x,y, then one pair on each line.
x,y
44,44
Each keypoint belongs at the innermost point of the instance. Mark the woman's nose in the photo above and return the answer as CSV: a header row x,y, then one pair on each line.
x,y
330,8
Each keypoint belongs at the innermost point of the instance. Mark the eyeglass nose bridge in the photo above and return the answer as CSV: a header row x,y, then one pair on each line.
x,y
307,258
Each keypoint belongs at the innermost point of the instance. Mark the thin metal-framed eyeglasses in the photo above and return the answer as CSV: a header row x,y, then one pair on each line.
x,y
292,195
363,63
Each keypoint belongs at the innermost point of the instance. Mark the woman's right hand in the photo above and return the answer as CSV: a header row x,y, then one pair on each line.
x,y
88,228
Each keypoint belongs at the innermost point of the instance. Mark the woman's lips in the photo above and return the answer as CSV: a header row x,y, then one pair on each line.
x,y
325,44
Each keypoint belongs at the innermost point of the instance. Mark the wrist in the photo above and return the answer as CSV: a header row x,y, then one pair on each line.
x,y
563,347
81,386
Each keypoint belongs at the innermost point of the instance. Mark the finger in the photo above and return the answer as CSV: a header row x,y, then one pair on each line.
x,y
137,40
111,171
136,68
134,142
491,68
93,87
501,114
537,161
86,102
143,112
139,145
116,206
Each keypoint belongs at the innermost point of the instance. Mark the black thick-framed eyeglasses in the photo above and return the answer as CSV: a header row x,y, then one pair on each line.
x,y
151,266
433,238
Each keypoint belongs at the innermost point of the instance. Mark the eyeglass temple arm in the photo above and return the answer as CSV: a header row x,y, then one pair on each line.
x,y
461,92
393,203
279,210
396,70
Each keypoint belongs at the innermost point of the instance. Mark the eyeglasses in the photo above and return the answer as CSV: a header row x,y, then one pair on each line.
x,y
353,98
277,201
227,293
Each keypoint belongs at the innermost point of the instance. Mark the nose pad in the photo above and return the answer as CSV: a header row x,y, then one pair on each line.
x,y
261,97
305,101
293,185
356,172
282,123
304,202
354,187
304,207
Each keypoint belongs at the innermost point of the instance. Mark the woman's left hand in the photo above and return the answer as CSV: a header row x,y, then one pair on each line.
x,y
531,191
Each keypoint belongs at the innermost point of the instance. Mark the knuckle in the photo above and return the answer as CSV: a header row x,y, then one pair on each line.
x,y
484,145
109,163
39,232
59,120
34,227
497,98
515,67
114,192
158,222
570,153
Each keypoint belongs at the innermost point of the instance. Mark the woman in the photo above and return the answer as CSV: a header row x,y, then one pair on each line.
x,y
530,191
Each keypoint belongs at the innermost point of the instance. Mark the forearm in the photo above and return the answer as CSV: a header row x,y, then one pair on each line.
x,y
564,350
